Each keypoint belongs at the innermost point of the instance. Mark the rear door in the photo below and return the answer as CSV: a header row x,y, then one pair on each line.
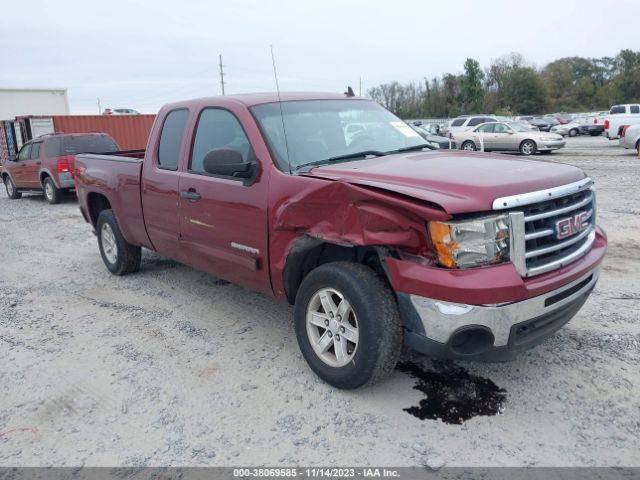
x,y
32,172
160,183
485,133
223,222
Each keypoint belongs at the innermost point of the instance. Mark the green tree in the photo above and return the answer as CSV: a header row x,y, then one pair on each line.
x,y
471,86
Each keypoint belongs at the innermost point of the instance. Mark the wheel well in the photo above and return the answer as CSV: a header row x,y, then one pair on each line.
x,y
97,203
309,253
43,175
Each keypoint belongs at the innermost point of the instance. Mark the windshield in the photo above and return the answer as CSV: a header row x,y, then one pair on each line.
x,y
319,130
89,144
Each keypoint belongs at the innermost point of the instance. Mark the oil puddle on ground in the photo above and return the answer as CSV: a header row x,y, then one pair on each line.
x,y
453,395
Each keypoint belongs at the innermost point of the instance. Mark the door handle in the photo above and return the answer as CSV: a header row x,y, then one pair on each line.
x,y
190,195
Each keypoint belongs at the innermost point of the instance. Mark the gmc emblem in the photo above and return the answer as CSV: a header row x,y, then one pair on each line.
x,y
571,225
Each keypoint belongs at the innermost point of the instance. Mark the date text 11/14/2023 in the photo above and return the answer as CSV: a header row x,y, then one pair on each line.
x,y
316,472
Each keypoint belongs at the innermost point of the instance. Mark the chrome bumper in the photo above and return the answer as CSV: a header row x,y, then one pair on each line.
x,y
442,319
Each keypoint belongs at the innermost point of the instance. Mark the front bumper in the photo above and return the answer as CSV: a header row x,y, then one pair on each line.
x,y
551,145
446,329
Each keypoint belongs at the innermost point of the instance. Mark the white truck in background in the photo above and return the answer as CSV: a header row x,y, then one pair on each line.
x,y
619,117
630,137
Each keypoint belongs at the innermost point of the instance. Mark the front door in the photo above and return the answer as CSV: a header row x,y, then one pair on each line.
x,y
22,165
503,137
223,222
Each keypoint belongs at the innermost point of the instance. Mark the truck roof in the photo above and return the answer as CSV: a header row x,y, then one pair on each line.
x,y
251,99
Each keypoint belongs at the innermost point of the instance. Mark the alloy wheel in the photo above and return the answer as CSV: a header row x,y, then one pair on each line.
x,y
332,327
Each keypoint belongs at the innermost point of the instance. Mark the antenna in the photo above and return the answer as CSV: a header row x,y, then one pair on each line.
x,y
284,130
221,74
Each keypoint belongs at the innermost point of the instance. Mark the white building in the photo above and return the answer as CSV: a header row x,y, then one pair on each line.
x,y
15,102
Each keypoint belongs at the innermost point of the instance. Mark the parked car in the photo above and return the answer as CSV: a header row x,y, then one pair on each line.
x,y
120,111
563,117
437,140
573,128
375,244
508,136
541,123
630,137
46,163
466,122
595,124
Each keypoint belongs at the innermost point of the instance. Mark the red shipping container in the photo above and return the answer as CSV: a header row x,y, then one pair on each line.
x,y
129,131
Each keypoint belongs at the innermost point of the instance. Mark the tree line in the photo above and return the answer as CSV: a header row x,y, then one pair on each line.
x,y
511,85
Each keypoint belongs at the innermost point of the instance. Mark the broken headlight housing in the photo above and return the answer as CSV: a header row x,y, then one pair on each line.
x,y
471,243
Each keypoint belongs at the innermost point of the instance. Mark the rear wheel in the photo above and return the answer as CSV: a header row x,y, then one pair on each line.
x,y
51,192
469,146
347,325
528,147
119,256
12,192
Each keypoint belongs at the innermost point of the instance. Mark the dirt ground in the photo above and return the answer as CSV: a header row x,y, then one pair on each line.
x,y
171,366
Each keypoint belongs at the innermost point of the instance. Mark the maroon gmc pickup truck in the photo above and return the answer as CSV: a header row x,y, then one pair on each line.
x,y
374,239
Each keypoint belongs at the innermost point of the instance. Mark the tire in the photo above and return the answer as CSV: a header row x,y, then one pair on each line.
x,y
573,132
528,147
52,193
546,152
119,256
638,147
12,191
469,146
373,346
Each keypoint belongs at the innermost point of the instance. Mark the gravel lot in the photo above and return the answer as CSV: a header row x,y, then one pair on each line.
x,y
171,366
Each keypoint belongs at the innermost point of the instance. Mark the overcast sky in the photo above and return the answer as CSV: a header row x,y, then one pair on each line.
x,y
137,54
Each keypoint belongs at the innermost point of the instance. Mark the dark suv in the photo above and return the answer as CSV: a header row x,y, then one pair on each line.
x,y
46,163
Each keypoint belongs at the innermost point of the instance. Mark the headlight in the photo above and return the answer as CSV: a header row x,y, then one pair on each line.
x,y
471,243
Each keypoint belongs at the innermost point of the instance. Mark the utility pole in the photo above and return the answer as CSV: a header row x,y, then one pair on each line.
x,y
221,74
99,109
360,89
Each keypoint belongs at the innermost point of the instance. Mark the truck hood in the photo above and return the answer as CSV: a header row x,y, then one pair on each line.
x,y
459,182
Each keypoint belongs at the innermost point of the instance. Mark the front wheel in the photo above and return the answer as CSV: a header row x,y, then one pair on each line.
x,y
12,191
347,325
528,147
118,255
573,132
51,192
469,146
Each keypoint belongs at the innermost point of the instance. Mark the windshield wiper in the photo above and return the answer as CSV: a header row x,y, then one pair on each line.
x,y
414,147
346,156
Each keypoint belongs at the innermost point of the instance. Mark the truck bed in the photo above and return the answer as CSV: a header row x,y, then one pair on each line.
x,y
116,177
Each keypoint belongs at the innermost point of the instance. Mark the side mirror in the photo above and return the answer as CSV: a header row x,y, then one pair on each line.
x,y
228,162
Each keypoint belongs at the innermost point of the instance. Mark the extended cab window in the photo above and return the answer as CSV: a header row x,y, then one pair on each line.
x,y
634,109
458,122
25,152
171,139
35,150
217,128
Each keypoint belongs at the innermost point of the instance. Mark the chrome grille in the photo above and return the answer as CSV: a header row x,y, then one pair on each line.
x,y
539,240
